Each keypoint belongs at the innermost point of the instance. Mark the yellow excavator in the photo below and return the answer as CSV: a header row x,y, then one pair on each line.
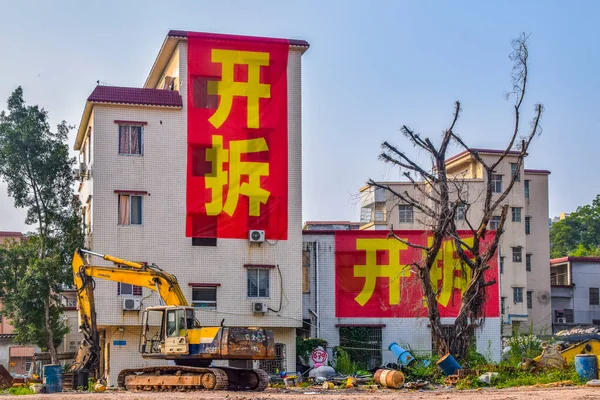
x,y
169,332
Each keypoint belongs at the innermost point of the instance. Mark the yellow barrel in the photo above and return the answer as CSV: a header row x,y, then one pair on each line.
x,y
389,378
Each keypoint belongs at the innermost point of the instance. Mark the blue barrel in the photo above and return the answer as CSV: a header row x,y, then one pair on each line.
x,y
448,365
586,366
53,378
403,356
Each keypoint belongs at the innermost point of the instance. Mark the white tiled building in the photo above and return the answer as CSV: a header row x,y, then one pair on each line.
x,y
147,178
524,247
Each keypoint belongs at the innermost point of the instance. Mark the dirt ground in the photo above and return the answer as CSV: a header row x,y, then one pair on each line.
x,y
351,394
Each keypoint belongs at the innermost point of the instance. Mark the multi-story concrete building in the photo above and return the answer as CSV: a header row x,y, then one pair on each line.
x,y
575,291
134,153
524,247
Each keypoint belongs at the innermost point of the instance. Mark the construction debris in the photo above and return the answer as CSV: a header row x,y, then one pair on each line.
x,y
579,330
6,380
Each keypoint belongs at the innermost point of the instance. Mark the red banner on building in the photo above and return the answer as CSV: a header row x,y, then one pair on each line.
x,y
237,170
375,277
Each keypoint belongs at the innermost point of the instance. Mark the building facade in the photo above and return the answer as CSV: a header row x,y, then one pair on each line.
x,y
575,291
524,247
324,303
137,189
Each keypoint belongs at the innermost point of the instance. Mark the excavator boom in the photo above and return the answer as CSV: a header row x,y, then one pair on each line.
x,y
171,332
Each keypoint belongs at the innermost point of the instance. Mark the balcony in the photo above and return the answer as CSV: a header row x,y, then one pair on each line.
x,y
562,291
370,217
372,196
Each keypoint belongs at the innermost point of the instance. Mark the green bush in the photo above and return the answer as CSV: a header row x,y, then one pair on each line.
x,y
20,390
343,364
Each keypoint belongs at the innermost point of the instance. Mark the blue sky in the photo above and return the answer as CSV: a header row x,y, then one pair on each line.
x,y
372,67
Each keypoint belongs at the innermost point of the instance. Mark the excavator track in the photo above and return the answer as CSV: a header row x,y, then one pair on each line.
x,y
181,378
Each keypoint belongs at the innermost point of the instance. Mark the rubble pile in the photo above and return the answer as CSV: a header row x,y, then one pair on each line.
x,y
579,330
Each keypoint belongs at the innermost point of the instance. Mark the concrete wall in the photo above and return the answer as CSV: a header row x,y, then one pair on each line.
x,y
410,332
585,276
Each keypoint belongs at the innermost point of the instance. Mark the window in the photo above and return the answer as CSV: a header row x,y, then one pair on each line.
x,y
594,296
306,272
502,264
518,295
516,214
528,262
502,305
258,282
527,189
369,355
70,302
461,211
496,183
130,209
517,254
125,289
277,364
528,225
495,222
130,139
513,169
529,300
406,214
204,297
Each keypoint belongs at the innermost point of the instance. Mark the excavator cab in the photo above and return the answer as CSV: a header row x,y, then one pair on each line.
x,y
165,330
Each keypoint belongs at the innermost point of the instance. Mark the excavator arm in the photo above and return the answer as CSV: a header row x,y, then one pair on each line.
x,y
123,271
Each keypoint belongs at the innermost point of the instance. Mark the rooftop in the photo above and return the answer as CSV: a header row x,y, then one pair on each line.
x,y
135,96
577,259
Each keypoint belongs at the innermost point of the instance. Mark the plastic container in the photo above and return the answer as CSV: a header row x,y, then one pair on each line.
x,y
403,356
53,378
448,365
586,366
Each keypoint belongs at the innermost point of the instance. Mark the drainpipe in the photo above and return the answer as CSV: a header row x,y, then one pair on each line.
x,y
317,287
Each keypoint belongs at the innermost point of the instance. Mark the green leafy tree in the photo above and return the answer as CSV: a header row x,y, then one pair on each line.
x,y
578,234
35,164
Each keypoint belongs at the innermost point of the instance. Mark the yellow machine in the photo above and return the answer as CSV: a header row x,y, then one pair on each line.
x,y
169,332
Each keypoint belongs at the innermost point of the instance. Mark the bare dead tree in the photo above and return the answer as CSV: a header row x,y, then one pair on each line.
x,y
437,194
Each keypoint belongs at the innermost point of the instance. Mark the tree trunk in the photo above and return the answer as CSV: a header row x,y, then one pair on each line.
x,y
440,345
48,325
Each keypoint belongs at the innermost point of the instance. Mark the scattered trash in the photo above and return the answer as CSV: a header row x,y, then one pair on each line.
x,y
98,387
351,382
586,366
311,392
448,365
554,384
6,380
487,377
290,381
368,387
328,385
451,380
322,373
594,383
578,330
403,356
416,385
389,378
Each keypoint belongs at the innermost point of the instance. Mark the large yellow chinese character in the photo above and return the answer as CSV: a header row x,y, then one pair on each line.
x,y
218,178
393,271
450,264
226,88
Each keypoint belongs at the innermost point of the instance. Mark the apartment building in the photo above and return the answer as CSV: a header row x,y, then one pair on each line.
x,y
524,247
199,172
575,287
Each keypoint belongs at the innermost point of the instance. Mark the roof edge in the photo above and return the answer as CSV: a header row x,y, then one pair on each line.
x,y
537,171
574,258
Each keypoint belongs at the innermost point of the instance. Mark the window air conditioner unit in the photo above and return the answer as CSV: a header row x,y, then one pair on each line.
x,y
76,174
561,320
259,308
256,236
132,304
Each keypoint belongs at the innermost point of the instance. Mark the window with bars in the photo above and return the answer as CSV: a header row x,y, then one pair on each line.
x,y
494,222
363,345
405,213
594,297
529,300
278,364
517,295
528,262
516,214
517,254
258,282
125,289
527,225
502,264
461,212
527,189
306,272
502,305
514,167
496,183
